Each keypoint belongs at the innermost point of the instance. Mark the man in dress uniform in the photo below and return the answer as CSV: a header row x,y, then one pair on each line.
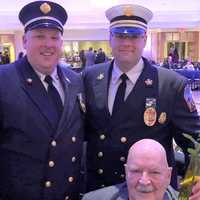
x,y
128,100
144,180
41,114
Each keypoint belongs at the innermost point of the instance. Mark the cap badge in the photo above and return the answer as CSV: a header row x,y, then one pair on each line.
x,y
45,8
100,77
162,118
128,11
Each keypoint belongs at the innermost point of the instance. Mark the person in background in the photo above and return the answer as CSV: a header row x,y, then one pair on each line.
x,y
90,57
147,176
173,52
100,57
168,64
20,55
82,58
6,58
128,99
41,113
188,65
1,58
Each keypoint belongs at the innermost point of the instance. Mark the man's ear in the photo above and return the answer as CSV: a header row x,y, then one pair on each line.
x,y
169,173
110,38
145,38
24,40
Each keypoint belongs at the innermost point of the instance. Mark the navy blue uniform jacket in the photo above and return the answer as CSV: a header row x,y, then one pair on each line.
x,y
37,161
110,137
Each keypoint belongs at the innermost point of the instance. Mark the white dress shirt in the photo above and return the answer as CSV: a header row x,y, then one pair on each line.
x,y
115,81
56,83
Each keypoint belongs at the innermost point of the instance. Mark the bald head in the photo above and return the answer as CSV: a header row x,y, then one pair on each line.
x,y
147,171
148,148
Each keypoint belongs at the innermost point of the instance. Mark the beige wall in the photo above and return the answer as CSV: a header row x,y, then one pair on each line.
x,y
100,38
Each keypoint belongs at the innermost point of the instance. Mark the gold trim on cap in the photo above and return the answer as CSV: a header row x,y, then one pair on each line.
x,y
128,11
45,8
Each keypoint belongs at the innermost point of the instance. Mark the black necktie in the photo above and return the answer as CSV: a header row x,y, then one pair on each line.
x,y
120,95
54,97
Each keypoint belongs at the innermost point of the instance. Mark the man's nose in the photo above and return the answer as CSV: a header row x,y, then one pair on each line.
x,y
145,180
48,42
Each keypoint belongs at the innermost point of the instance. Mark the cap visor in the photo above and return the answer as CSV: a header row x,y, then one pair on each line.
x,y
44,25
128,30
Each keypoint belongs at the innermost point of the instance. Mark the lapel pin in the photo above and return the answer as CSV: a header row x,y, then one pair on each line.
x,y
82,103
100,77
29,81
67,80
148,82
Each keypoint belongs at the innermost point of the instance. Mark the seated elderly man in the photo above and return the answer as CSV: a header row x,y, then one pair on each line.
x,y
147,177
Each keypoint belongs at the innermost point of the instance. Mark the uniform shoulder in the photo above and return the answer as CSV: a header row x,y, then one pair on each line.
x,y
104,194
5,70
94,70
70,75
170,74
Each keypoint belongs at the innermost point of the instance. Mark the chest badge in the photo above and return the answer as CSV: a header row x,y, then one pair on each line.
x,y
162,118
150,114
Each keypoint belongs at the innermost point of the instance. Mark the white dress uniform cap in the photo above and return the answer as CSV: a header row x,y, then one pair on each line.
x,y
129,18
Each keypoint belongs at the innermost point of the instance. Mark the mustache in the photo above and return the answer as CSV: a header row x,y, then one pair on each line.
x,y
144,189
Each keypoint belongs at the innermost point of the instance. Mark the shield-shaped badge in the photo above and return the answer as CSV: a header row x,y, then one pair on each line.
x,y
150,116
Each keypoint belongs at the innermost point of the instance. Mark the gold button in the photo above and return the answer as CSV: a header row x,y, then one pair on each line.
x,y
123,139
102,137
100,171
122,175
67,197
51,163
73,159
123,159
71,179
48,184
53,143
100,154
73,139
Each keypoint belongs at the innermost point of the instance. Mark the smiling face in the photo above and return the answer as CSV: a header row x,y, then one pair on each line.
x,y
43,48
127,50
